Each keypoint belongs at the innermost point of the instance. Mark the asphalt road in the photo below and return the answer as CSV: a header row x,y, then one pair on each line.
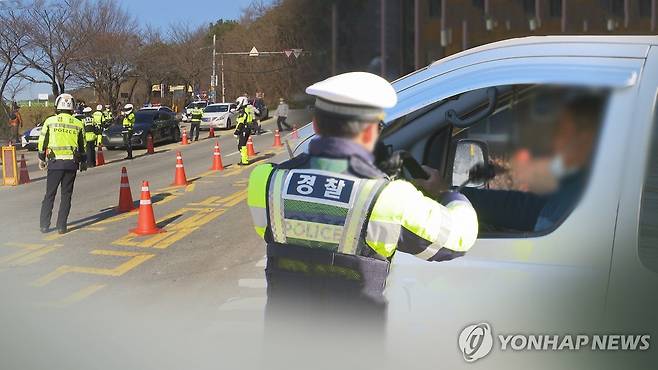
x,y
100,297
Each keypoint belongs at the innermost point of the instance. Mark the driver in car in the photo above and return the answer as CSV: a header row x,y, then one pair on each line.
x,y
573,145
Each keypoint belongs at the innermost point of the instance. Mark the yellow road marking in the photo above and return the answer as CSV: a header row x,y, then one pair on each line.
x,y
28,253
190,188
78,296
135,260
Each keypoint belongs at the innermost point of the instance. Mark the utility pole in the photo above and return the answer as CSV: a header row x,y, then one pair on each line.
x,y
382,37
223,86
213,81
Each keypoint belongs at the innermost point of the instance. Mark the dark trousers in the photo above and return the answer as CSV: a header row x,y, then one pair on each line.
x,y
55,178
127,141
281,122
91,153
194,131
243,136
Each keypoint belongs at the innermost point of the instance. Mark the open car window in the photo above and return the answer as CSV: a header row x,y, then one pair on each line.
x,y
542,140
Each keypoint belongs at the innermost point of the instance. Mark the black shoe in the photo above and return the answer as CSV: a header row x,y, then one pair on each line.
x,y
62,231
128,158
242,164
45,230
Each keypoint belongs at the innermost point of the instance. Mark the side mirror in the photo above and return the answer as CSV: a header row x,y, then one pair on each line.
x,y
468,153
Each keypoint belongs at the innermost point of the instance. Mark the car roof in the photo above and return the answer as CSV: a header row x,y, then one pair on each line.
x,y
155,109
536,46
210,105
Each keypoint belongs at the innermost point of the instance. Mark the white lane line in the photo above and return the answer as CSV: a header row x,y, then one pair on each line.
x,y
252,283
245,304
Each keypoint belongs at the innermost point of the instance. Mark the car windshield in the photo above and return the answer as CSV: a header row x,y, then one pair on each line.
x,y
197,105
216,108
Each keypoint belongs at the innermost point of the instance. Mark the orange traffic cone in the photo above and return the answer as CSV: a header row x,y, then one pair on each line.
x,y
217,164
100,158
277,139
295,134
24,175
149,145
184,140
211,133
146,219
180,179
250,148
125,195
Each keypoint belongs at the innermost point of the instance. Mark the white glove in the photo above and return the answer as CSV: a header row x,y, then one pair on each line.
x,y
42,165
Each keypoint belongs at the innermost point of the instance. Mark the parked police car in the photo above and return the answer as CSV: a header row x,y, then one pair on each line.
x,y
30,138
593,263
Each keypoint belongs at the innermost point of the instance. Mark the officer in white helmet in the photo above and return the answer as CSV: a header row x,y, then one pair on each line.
x,y
332,220
62,147
128,126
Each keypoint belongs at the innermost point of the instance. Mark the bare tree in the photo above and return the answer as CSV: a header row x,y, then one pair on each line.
x,y
108,59
12,42
56,38
190,54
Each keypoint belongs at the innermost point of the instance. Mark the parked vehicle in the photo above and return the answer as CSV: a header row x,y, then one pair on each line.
x,y
30,138
219,116
158,122
596,266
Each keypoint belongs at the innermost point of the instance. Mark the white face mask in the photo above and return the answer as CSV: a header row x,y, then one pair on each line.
x,y
559,169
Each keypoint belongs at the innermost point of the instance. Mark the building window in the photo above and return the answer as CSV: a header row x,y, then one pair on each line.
x,y
529,7
479,4
555,8
644,8
648,230
435,8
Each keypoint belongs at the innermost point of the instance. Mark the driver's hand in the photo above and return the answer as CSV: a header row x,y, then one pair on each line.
x,y
434,185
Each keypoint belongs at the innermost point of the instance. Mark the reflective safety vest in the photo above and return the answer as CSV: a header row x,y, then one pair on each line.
x,y
90,129
107,114
63,131
315,203
196,114
98,118
129,121
241,121
251,116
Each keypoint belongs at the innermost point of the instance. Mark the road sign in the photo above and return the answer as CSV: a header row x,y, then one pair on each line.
x,y
254,52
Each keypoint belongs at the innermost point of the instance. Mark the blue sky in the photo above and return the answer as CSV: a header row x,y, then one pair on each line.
x,y
162,14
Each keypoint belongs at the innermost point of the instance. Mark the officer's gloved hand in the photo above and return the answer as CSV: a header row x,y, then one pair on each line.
x,y
43,165
434,185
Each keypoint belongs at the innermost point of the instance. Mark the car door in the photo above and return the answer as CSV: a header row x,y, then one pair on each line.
x,y
524,282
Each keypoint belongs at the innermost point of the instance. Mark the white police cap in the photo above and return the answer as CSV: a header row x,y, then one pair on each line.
x,y
355,94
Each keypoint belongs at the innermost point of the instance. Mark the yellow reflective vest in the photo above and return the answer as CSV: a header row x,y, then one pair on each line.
x,y
63,136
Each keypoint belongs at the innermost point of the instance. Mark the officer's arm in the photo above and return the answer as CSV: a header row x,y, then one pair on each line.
x,y
404,217
82,145
257,196
44,136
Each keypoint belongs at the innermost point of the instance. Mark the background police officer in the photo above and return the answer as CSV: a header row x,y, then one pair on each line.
x,y
91,136
61,150
99,122
333,221
128,126
196,115
242,132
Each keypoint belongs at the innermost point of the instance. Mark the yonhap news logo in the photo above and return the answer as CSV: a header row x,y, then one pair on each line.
x,y
477,340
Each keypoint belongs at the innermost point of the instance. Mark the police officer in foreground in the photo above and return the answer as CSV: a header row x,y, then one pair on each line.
x,y
242,131
128,125
333,221
61,150
196,115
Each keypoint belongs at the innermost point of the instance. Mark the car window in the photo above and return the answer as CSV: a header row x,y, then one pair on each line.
x,y
541,139
648,229
216,108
